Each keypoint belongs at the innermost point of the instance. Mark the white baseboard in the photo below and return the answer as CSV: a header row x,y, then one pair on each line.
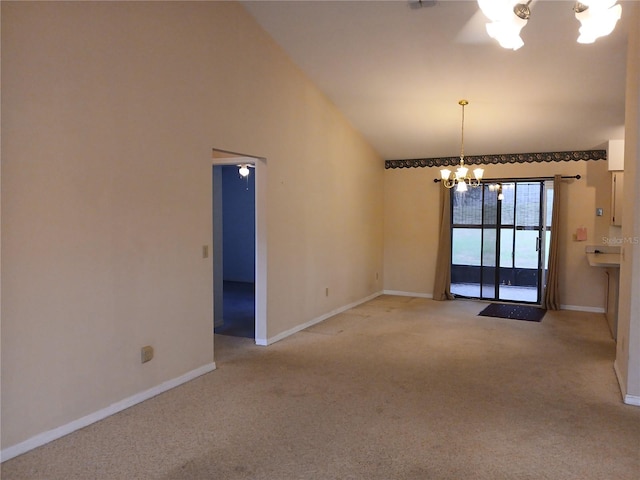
x,y
579,308
50,435
632,400
407,294
626,398
285,334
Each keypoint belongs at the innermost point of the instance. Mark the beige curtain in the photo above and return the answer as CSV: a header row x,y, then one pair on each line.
x,y
442,284
551,300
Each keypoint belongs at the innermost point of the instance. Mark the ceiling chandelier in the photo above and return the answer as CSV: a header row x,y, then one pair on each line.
x,y
598,18
461,179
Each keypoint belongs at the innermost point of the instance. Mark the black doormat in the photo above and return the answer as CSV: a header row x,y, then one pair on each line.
x,y
514,312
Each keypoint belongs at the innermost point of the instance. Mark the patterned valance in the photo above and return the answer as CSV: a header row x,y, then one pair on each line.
x,y
494,159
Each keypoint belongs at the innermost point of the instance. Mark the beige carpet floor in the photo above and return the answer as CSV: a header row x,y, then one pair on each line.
x,y
397,388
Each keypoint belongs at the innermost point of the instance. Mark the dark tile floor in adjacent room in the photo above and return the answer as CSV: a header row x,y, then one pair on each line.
x,y
238,310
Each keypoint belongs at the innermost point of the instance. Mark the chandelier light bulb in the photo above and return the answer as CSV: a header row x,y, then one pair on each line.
x,y
508,17
598,20
461,173
603,4
507,32
497,10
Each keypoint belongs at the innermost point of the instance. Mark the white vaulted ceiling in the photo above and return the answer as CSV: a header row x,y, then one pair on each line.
x,y
397,70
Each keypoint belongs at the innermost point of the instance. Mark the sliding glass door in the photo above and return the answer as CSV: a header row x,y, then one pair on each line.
x,y
499,235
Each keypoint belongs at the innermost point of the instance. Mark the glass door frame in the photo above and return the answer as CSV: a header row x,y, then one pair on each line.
x,y
495,275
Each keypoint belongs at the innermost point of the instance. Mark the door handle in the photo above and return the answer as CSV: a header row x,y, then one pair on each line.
x,y
537,244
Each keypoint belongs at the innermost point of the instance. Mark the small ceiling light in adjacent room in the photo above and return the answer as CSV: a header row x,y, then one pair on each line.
x,y
461,179
597,18
243,170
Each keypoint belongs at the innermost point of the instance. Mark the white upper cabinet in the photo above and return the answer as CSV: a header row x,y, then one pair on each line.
x,y
615,155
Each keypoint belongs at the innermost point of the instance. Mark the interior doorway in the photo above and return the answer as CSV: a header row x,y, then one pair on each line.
x,y
499,238
238,250
239,246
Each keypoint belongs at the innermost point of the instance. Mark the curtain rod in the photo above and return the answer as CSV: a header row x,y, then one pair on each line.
x,y
521,179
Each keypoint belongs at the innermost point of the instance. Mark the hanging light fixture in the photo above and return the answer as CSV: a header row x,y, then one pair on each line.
x,y
243,170
461,179
508,18
598,18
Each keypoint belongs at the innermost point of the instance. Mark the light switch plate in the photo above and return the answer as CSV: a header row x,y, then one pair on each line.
x,y
598,212
146,353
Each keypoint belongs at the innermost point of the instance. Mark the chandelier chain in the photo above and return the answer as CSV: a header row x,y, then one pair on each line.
x,y
462,103
461,179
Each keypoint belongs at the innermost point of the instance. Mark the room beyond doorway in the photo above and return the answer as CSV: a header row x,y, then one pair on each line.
x,y
238,251
239,310
247,240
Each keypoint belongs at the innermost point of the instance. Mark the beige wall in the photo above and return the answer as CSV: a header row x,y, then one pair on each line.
x,y
411,226
109,114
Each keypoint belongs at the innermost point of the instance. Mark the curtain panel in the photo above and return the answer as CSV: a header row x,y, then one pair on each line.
x,y
551,300
442,283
